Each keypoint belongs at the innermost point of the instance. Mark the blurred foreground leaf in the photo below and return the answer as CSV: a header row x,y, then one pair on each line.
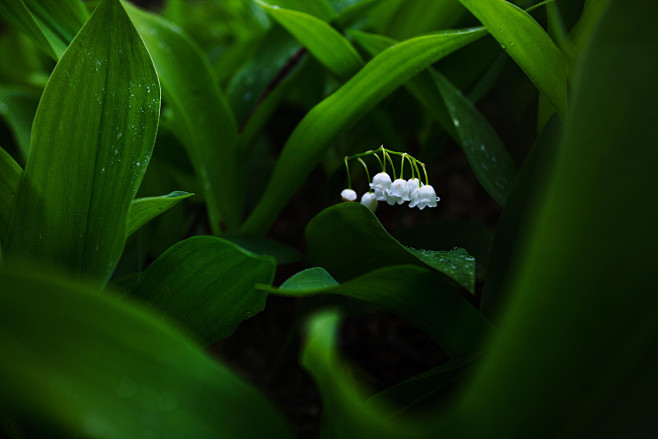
x,y
10,175
79,363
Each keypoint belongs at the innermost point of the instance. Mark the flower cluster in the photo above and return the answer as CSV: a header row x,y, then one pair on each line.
x,y
396,190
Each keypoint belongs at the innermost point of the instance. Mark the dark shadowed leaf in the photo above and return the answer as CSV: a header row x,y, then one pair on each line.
x,y
17,106
10,175
207,284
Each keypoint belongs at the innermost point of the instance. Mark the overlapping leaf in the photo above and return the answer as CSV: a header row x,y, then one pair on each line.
x,y
348,240
17,106
10,175
416,294
91,141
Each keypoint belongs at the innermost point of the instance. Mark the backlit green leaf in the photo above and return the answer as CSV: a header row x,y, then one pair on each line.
x,y
376,80
323,41
63,17
143,210
80,363
207,284
528,44
348,240
18,14
317,8
91,141
202,117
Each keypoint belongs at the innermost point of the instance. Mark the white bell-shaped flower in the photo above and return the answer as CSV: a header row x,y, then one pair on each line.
x,y
412,184
398,192
413,198
368,199
380,184
425,197
348,195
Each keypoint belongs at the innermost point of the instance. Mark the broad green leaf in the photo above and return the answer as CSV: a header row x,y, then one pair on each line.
x,y
345,415
202,117
207,284
418,17
143,210
18,14
17,106
579,337
79,363
317,8
528,44
376,80
348,240
490,161
91,141
323,41
415,294
10,176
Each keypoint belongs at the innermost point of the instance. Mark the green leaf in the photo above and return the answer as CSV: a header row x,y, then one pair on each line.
x,y
578,337
63,18
283,253
17,106
314,278
18,14
202,117
92,138
490,161
415,294
10,176
347,239
317,8
528,44
376,80
345,414
323,41
207,284
143,210
79,363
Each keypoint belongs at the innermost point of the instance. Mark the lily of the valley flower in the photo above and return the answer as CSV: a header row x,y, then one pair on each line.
x,y
412,184
368,199
424,196
398,192
381,184
348,195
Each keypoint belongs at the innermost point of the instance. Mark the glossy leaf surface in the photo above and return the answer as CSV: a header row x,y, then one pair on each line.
x,y
206,283
143,210
91,141
361,93
415,294
348,240
107,367
528,44
202,117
